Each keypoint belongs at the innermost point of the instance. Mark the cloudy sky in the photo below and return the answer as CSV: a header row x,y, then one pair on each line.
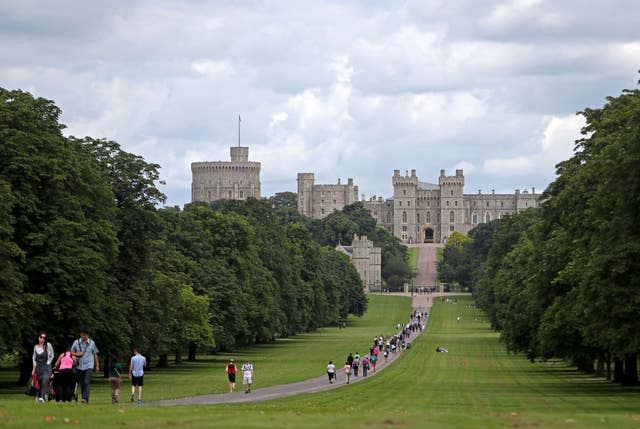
x,y
339,88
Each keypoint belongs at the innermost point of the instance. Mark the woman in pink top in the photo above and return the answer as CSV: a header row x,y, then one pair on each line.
x,y
64,378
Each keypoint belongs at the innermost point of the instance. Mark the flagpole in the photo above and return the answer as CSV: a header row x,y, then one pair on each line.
x,y
239,120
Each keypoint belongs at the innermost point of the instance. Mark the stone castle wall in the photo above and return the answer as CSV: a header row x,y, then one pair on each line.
x,y
237,179
318,201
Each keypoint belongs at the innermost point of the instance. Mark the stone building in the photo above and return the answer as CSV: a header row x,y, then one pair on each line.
x,y
318,201
368,261
430,212
238,179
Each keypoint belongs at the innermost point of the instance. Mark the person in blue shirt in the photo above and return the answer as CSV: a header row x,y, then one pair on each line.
x,y
136,374
87,353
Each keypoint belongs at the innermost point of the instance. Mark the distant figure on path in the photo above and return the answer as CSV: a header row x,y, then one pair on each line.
x,y
347,371
115,378
136,374
331,371
247,375
231,371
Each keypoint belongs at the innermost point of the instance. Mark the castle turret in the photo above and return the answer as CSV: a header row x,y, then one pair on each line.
x,y
237,180
305,193
452,213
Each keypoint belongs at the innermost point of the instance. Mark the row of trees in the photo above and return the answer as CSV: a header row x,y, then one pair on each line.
x,y
82,243
564,280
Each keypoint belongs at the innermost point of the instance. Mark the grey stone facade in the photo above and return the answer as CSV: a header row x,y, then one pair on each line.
x,y
238,179
421,212
368,261
318,201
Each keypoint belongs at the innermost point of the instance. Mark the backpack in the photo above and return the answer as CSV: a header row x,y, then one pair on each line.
x,y
231,369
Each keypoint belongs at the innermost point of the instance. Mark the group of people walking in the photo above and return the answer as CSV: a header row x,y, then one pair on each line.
x,y
74,368
247,375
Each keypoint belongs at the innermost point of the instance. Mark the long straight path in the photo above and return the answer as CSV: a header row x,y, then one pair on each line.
x,y
426,270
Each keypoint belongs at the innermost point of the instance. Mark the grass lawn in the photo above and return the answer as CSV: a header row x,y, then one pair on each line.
x,y
476,385
413,252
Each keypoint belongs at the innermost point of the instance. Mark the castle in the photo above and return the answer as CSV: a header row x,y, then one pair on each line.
x,y
318,201
235,180
368,261
419,212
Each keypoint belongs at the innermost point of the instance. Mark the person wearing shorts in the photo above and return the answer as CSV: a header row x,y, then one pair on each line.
x,y
247,376
136,374
231,371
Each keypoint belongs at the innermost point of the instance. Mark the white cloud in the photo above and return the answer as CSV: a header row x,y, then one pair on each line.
x,y
342,89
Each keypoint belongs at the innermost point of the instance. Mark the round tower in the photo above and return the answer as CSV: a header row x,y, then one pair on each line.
x,y
217,180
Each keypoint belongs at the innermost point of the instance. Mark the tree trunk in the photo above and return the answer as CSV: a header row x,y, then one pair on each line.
x,y
618,370
608,355
192,352
600,365
178,356
630,377
163,361
584,363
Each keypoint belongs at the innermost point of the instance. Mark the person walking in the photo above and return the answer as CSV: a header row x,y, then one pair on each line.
x,y
41,360
136,374
231,371
365,366
347,371
331,371
64,378
115,378
247,376
85,349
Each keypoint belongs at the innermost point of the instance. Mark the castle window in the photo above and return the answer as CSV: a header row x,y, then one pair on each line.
x,y
404,217
404,228
322,211
452,217
452,192
428,203
230,194
428,217
404,192
455,203
409,203
501,203
451,228
487,217
487,203
474,218
447,203
241,194
417,217
400,203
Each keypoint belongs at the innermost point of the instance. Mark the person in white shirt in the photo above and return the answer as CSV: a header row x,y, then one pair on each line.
x,y
331,371
247,375
41,359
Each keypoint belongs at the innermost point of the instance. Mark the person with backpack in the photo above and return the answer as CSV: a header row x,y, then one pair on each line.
x,y
42,358
231,371
85,349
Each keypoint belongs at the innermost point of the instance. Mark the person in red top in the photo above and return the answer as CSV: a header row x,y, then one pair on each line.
x,y
231,371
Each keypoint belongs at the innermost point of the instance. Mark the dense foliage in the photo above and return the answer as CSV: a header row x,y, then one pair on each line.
x,y
82,244
564,279
340,227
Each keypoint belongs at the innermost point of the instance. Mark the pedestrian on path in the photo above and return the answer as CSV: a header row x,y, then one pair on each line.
x,y
85,349
347,371
115,378
247,376
231,371
331,371
365,366
136,374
